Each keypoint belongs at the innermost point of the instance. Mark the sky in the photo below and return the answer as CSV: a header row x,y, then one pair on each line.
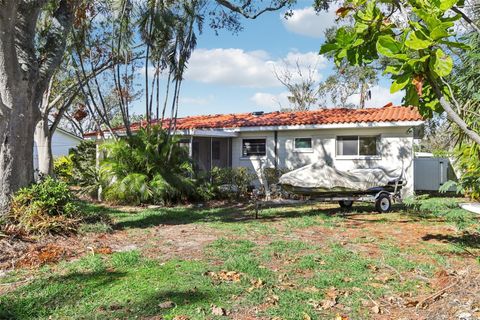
x,y
233,73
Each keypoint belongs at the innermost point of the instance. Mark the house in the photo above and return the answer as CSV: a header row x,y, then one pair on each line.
x,y
62,142
345,138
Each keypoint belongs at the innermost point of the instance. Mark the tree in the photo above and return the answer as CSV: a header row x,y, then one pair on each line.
x,y
301,85
419,39
29,55
346,82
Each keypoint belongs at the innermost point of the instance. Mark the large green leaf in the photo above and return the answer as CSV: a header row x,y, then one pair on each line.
x,y
440,31
388,46
400,82
327,47
417,41
445,5
441,63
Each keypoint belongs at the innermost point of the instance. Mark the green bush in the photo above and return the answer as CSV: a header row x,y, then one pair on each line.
x,y
85,173
44,207
444,208
241,178
63,168
150,167
468,164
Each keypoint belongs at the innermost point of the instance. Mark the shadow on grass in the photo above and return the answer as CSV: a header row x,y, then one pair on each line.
x,y
79,294
465,240
239,213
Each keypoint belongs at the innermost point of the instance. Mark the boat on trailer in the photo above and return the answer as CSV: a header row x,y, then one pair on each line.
x,y
323,182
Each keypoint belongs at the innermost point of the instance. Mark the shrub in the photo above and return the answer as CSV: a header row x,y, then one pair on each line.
x,y
241,178
63,168
44,207
85,173
445,208
468,163
149,167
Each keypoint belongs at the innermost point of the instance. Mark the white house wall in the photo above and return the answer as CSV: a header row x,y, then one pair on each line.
x,y
61,145
396,150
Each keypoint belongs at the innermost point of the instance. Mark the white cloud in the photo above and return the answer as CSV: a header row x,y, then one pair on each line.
x,y
237,67
198,101
307,22
380,97
268,100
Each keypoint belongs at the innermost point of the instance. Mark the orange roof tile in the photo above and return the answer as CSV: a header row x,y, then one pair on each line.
x,y
388,113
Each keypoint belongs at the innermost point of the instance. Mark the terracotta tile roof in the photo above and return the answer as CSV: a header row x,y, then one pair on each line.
x,y
388,113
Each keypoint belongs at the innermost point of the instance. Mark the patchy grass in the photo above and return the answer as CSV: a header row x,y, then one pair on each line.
x,y
293,262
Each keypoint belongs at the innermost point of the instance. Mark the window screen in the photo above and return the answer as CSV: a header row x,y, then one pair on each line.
x,y
303,143
253,147
216,150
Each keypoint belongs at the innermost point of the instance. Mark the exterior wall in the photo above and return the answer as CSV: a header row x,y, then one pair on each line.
x,y
61,145
396,150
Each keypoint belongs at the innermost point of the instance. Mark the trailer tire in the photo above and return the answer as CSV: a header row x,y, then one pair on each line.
x,y
383,203
345,204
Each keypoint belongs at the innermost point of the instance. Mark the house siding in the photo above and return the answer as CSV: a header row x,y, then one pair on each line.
x,y
396,150
61,145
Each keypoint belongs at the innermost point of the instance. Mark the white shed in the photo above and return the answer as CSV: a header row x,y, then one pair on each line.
x,y
62,142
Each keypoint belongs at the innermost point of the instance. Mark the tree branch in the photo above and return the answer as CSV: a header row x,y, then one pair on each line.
x,y
466,18
242,10
56,40
451,112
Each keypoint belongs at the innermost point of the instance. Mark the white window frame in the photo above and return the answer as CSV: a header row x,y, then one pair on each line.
x,y
295,149
254,157
358,156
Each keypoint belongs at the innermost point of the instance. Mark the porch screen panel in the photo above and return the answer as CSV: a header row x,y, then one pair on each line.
x,y
254,147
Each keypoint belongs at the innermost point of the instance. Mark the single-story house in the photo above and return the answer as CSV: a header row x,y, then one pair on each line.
x,y
345,138
62,142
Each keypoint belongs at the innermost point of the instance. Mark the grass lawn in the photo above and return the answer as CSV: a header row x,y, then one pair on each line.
x,y
302,262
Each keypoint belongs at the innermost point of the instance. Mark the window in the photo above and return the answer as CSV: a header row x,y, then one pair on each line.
x,y
357,145
216,150
253,147
303,144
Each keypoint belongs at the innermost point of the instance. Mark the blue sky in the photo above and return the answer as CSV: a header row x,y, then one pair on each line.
x,y
231,73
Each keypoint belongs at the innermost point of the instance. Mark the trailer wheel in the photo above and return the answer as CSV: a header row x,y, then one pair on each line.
x,y
383,203
345,204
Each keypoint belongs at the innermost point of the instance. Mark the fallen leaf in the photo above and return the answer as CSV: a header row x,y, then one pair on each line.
x,y
103,250
258,283
272,299
340,317
181,318
306,316
218,311
376,309
411,303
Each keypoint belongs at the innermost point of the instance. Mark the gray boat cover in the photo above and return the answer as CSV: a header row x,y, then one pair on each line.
x,y
321,177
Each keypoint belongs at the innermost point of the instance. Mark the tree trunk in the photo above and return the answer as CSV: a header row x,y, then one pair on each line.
x,y
16,150
43,141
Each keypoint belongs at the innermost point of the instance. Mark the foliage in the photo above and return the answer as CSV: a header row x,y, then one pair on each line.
x,y
468,164
85,172
44,207
240,177
418,45
63,168
446,208
147,168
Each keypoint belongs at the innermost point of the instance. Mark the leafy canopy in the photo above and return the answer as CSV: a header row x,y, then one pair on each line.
x,y
415,36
